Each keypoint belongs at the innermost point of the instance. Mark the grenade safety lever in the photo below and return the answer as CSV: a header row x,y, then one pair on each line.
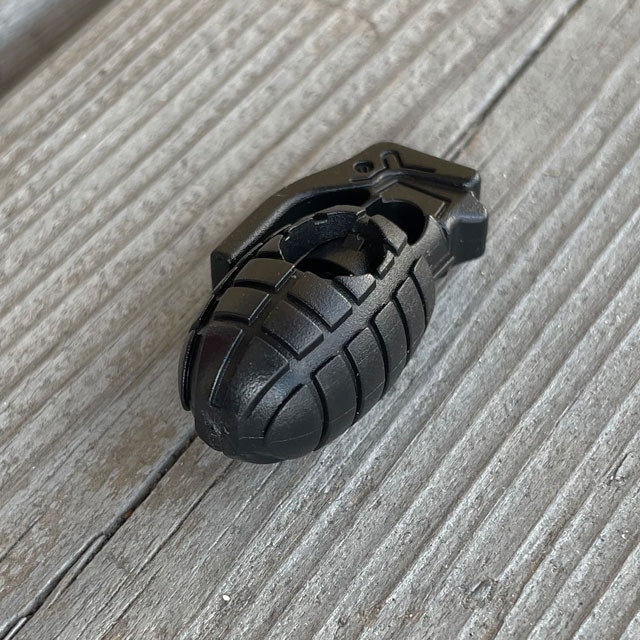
x,y
321,296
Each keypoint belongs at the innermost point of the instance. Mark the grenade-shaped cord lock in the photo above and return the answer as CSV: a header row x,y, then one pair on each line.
x,y
321,296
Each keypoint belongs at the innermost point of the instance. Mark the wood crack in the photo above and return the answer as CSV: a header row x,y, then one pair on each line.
x,y
466,138
71,569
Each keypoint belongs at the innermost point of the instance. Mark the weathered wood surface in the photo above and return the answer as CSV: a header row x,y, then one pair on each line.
x,y
29,29
496,491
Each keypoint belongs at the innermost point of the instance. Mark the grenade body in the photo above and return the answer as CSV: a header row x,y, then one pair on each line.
x,y
321,297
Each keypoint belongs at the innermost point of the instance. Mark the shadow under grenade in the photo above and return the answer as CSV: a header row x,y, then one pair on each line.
x,y
321,296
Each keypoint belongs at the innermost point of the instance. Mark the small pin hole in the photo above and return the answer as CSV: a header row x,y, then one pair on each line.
x,y
363,166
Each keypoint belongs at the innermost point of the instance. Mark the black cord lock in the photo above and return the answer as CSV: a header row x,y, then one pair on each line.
x,y
321,296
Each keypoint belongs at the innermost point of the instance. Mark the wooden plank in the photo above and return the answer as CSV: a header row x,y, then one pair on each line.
x,y
30,29
60,225
516,369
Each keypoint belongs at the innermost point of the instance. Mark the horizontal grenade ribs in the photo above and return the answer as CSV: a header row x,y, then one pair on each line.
x,y
321,296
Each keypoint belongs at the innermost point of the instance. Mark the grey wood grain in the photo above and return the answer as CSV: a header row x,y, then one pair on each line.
x,y
496,490
30,29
